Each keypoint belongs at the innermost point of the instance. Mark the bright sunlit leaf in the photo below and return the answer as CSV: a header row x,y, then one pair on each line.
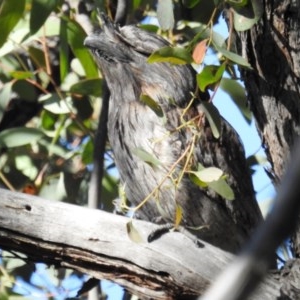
x,y
55,105
222,188
40,11
133,233
209,174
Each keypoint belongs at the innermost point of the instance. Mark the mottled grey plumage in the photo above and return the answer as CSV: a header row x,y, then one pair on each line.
x,y
121,53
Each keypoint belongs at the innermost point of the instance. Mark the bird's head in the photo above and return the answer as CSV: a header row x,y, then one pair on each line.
x,y
120,44
122,52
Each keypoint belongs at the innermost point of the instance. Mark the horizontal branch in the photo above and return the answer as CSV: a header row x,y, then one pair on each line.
x,y
96,243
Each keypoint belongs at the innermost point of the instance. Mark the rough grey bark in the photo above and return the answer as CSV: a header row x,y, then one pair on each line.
x,y
96,243
272,47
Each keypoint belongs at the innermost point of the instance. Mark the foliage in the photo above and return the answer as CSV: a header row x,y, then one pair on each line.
x,y
50,90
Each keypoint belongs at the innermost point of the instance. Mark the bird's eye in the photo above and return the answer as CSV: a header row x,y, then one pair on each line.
x,y
102,55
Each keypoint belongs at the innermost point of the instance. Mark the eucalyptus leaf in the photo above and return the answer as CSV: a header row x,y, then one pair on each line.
x,y
19,136
165,14
247,16
40,11
76,36
10,13
26,166
209,174
237,93
256,159
190,3
88,152
5,96
152,104
173,55
55,105
213,116
146,157
232,56
210,75
194,178
133,233
88,87
63,50
21,74
222,188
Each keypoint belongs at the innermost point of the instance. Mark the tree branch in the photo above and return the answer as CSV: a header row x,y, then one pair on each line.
x,y
96,243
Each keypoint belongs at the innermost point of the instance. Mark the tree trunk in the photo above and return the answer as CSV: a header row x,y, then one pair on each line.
x,y
272,48
96,243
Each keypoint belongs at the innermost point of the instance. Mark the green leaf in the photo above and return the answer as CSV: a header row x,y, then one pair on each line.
x,y
38,56
247,16
256,159
165,14
208,174
26,89
19,136
5,96
222,188
149,27
133,233
55,105
48,120
210,74
237,3
88,152
55,149
146,157
88,87
11,12
213,116
232,56
194,178
76,36
21,74
151,103
63,50
212,178
54,188
173,55
190,3
237,93
40,11
26,166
